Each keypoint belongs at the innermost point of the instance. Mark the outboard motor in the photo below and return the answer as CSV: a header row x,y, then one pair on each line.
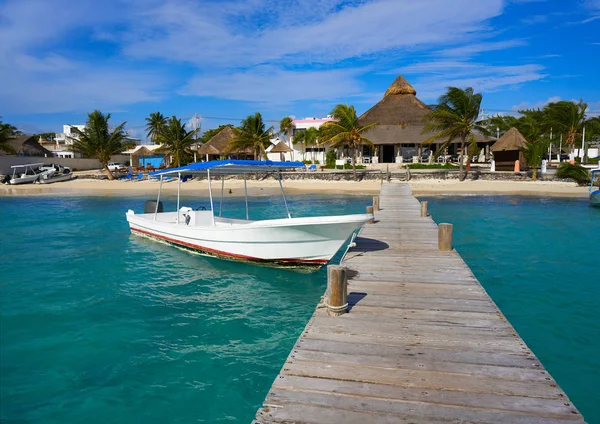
x,y
150,206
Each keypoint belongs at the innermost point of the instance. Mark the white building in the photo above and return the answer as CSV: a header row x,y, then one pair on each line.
x,y
62,144
300,151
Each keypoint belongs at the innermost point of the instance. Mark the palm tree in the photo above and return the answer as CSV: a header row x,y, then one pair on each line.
x,y
567,118
308,138
455,117
177,140
252,135
155,124
97,141
285,126
7,132
536,143
345,131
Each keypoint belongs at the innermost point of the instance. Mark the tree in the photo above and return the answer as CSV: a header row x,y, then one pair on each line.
x,y
499,124
252,135
97,141
536,143
345,131
285,126
455,117
7,132
567,118
177,140
155,125
308,138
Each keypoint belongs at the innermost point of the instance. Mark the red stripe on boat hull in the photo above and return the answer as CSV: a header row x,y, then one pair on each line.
x,y
219,253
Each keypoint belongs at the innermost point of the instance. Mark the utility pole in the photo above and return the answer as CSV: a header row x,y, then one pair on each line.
x,y
195,124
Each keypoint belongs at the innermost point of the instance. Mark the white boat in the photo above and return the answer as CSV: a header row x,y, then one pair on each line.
x,y
55,173
308,242
25,174
595,191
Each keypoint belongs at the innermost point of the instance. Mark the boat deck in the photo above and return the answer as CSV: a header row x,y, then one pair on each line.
x,y
422,342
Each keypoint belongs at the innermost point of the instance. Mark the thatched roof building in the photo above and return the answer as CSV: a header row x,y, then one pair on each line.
x,y
218,144
281,147
507,150
399,114
29,146
511,140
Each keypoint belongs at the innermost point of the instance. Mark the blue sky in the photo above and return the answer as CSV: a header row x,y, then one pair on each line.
x,y
61,59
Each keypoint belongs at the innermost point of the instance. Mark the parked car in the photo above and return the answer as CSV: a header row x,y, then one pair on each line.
x,y
117,166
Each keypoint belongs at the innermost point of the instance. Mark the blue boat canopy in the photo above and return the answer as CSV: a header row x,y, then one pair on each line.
x,y
228,167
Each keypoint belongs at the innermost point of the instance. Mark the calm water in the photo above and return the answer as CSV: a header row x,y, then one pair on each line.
x,y
100,326
539,259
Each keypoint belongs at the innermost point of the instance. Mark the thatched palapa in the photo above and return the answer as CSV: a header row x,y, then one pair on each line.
x,y
28,145
281,147
508,149
219,144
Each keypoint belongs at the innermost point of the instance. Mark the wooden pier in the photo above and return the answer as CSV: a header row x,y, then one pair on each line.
x,y
422,342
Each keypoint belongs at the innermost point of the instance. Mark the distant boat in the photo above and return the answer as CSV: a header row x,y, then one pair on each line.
x,y
308,242
28,173
595,191
55,173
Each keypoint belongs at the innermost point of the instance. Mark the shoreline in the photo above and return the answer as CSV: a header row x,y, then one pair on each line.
x,y
269,187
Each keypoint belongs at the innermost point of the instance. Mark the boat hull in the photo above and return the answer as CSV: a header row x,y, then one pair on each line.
x,y
595,198
56,178
294,242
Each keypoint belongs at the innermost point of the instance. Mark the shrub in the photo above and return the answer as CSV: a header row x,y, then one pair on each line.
x,y
575,172
307,162
330,158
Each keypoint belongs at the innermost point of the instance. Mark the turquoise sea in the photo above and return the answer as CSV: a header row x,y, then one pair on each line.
x,y
99,326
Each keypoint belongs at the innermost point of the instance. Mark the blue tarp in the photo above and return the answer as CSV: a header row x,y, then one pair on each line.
x,y
231,167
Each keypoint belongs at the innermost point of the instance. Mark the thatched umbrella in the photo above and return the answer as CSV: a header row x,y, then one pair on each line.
x,y
281,148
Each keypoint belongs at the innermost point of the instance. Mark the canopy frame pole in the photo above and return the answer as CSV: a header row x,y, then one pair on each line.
x,y
284,199
212,209
246,193
178,191
158,197
222,193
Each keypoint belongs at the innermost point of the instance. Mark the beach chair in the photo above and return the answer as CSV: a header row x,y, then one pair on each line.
x,y
126,177
312,168
139,177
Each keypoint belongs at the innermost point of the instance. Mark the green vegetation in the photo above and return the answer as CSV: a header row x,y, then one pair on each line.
x,y
345,131
252,135
536,144
285,127
96,141
330,158
155,125
7,132
432,166
309,138
575,172
177,141
455,117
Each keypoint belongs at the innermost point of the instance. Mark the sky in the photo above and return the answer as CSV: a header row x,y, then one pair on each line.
x,y
226,59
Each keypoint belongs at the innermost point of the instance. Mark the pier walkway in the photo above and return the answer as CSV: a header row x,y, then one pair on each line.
x,y
422,342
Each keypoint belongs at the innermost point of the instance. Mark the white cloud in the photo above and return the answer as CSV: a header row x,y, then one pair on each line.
x,y
537,105
267,84
432,78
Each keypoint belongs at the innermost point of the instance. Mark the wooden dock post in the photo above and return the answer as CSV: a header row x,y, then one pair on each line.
x,y
337,290
424,209
445,237
370,210
375,203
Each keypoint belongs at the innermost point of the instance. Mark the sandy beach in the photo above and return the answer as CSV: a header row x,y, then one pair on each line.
x,y
91,187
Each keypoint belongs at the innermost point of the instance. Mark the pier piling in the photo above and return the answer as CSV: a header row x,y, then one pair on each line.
x,y
375,203
445,237
337,290
424,212
370,210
